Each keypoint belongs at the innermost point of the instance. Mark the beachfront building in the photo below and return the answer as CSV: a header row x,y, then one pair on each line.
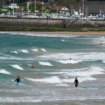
x,y
59,9
92,7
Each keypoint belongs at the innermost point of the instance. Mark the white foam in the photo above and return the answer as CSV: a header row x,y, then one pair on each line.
x,y
87,72
103,61
35,50
16,52
62,40
17,67
44,50
3,71
52,80
75,57
68,61
19,99
84,74
40,34
45,63
61,82
69,76
33,99
62,85
99,40
15,58
24,51
80,72
81,79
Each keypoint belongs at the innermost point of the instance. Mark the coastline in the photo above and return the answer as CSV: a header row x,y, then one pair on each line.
x,y
61,33
74,33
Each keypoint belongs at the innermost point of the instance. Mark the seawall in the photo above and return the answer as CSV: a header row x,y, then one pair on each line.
x,y
31,24
29,21
56,22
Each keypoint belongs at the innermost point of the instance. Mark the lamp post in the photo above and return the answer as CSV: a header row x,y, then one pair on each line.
x,y
35,5
83,6
42,5
28,5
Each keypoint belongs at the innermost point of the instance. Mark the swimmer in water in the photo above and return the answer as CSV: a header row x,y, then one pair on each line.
x,y
18,80
33,66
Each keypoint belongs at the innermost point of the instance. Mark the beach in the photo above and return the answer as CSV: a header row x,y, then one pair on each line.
x,y
34,33
86,102
75,33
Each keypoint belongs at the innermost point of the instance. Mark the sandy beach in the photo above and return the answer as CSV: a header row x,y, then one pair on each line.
x,y
85,102
74,33
33,33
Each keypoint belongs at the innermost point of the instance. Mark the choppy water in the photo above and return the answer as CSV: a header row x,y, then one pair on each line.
x,y
48,66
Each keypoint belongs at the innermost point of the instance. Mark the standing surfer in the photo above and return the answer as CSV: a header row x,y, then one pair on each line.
x,y
76,82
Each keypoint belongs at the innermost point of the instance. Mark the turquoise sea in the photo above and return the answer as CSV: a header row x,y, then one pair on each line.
x,y
48,65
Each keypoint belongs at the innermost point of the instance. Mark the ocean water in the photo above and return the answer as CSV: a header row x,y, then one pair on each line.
x,y
48,65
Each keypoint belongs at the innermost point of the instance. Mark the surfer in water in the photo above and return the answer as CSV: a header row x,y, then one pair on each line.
x,y
33,66
18,80
76,82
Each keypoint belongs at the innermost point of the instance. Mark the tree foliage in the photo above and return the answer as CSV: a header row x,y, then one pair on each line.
x,y
68,3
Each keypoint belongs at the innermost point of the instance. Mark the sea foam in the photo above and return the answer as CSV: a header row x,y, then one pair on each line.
x,y
74,57
51,80
84,74
35,50
99,40
3,71
19,99
68,61
39,34
45,63
15,52
17,67
24,51
44,50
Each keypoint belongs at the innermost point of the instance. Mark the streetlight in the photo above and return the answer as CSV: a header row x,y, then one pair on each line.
x,y
83,6
42,5
35,5
28,9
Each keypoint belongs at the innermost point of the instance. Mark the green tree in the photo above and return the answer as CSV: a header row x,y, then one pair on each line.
x,y
68,3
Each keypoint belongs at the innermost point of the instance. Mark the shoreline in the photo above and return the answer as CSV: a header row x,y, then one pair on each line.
x,y
74,33
99,33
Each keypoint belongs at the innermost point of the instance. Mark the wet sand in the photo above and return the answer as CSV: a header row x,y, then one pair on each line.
x,y
33,33
74,33
71,33
86,102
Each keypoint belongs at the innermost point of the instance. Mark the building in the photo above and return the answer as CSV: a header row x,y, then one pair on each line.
x,y
92,7
60,9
